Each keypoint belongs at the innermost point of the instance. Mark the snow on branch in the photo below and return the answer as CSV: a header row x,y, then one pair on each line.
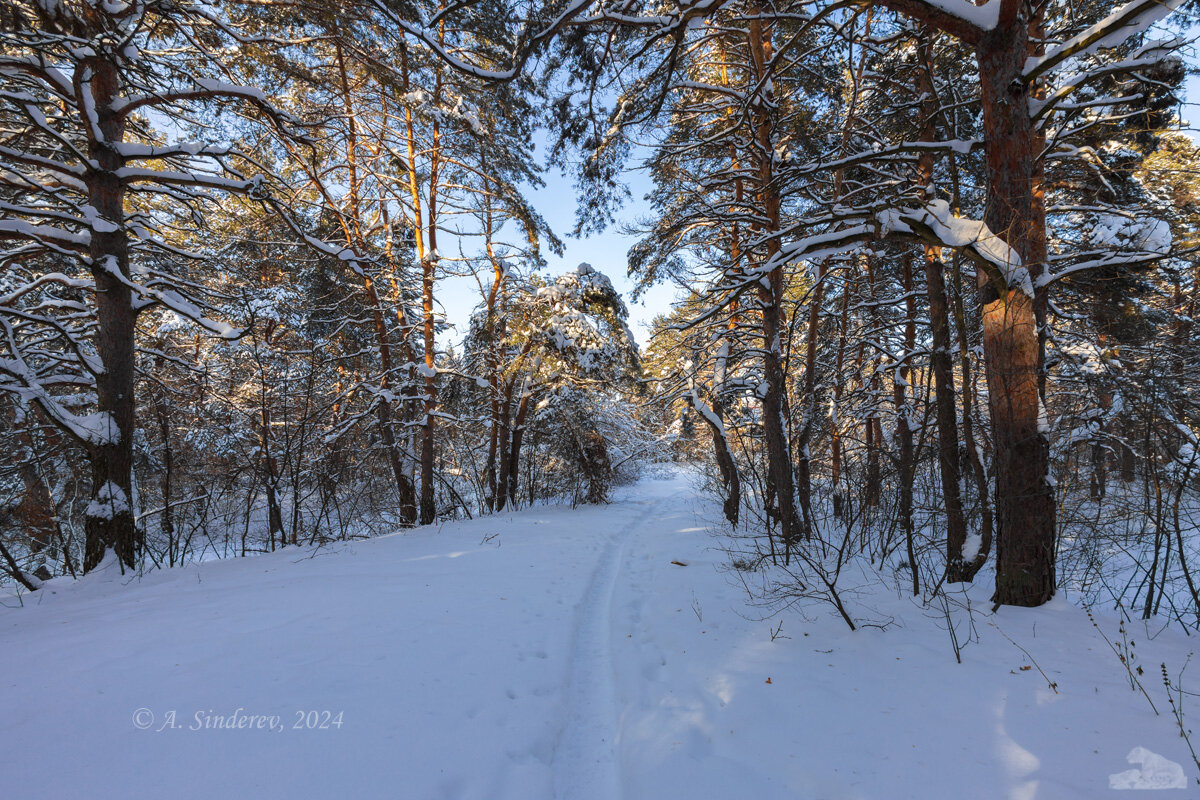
x,y
819,245
984,17
23,382
935,223
45,234
1115,240
1128,20
959,18
1149,56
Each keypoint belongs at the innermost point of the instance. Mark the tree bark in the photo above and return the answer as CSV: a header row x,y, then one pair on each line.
x,y
1025,551
352,228
109,522
780,482
947,420
941,362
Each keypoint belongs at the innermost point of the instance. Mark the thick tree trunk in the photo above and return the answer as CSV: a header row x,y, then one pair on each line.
x,y
1024,502
109,521
1025,551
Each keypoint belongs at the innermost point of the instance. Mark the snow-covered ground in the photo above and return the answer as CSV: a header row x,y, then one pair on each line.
x,y
552,653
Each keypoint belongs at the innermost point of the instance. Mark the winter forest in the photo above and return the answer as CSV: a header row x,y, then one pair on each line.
x,y
928,377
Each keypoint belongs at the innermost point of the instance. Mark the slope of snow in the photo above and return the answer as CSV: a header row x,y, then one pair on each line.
x,y
552,653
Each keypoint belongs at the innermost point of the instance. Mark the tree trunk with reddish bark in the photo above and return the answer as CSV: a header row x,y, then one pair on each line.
x,y
780,483
1025,548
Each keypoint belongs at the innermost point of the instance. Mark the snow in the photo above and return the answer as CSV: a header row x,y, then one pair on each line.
x,y
1156,773
109,501
555,653
706,411
96,428
1144,233
937,219
96,222
230,89
973,542
13,228
1126,21
984,16
1087,356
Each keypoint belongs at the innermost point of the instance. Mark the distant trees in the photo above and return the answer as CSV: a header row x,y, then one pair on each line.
x,y
560,342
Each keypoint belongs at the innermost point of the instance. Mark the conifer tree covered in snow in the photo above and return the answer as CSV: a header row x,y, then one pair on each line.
x,y
96,200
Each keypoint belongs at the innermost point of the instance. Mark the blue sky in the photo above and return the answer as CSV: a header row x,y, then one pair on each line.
x,y
557,202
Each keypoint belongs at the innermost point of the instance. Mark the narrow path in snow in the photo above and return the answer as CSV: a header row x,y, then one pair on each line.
x,y
585,757
597,653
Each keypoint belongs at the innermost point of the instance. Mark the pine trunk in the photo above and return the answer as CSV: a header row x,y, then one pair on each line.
x,y
1025,511
941,361
780,484
109,520
947,420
